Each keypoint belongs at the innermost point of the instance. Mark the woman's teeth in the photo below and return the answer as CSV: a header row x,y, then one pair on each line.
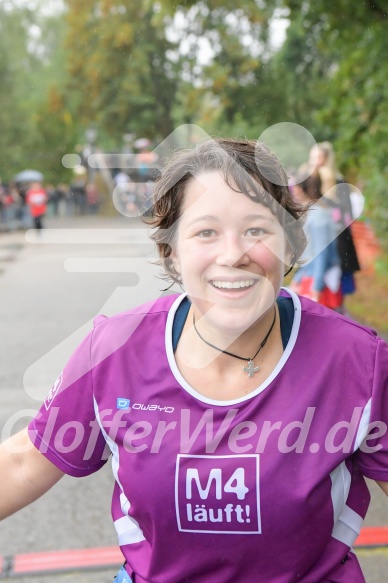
x,y
233,284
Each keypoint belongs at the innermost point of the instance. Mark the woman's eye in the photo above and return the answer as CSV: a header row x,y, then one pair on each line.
x,y
256,232
206,233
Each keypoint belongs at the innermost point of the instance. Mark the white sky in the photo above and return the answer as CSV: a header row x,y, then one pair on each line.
x,y
278,28
278,25
47,7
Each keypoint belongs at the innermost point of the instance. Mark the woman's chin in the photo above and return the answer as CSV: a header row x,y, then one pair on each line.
x,y
235,314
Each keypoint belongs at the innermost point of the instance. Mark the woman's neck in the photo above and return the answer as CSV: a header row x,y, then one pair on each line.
x,y
197,334
217,375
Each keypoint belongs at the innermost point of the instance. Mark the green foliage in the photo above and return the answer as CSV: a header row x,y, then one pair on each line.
x,y
34,128
120,67
350,39
14,115
145,68
225,88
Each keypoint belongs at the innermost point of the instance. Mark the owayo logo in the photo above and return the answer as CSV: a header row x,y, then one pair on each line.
x,y
122,403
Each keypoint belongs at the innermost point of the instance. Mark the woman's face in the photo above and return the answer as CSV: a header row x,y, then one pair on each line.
x,y
317,157
230,252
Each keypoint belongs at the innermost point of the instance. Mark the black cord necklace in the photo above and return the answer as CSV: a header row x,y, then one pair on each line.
x,y
250,368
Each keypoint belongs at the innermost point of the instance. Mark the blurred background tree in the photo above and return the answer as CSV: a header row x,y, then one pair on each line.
x,y
346,43
122,73
36,127
143,69
17,75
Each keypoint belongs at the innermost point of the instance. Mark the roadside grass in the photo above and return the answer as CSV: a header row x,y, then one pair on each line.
x,y
369,304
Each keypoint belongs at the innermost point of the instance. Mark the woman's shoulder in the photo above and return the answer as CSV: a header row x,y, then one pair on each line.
x,y
159,306
329,323
140,324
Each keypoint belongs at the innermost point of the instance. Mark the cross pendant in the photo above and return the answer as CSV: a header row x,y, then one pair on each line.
x,y
251,368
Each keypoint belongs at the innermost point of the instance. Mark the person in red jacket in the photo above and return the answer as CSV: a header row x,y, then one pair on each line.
x,y
36,200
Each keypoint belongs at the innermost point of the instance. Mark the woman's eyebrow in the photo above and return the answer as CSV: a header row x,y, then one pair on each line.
x,y
252,217
203,218
255,217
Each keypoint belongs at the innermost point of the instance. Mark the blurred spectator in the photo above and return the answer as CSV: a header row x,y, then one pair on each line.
x,y
78,194
320,279
3,206
11,202
337,193
126,194
66,202
36,200
3,194
61,195
52,204
121,178
23,211
145,160
92,198
357,201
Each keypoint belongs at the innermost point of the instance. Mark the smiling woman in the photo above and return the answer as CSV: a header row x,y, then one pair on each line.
x,y
241,419
227,234
231,263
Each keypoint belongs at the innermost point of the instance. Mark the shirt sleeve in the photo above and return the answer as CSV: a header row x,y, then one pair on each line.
x,y
372,454
66,430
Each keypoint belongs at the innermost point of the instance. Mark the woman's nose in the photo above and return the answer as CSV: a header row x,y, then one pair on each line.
x,y
232,252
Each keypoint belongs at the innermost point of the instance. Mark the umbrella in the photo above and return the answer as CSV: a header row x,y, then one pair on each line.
x,y
142,143
29,176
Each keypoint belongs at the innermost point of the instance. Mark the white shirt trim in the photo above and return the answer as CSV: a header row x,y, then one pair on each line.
x,y
363,426
340,487
348,527
185,385
127,528
347,523
128,531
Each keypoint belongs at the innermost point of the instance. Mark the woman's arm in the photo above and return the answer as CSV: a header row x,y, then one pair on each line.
x,y
25,474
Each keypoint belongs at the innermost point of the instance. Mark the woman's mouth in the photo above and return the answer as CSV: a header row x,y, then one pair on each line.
x,y
241,284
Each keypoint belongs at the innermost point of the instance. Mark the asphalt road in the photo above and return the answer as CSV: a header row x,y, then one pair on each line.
x,y
45,309
49,293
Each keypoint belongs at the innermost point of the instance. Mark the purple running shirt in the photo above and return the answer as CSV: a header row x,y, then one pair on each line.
x,y
268,487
